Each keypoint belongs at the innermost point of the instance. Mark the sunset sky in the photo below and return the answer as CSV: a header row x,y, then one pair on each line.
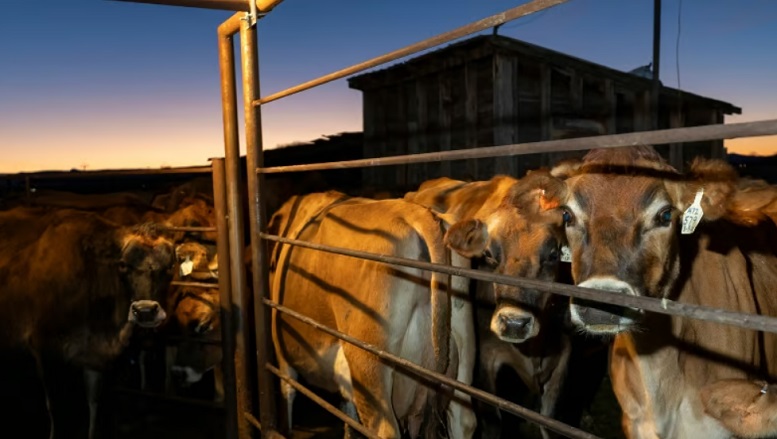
x,y
102,84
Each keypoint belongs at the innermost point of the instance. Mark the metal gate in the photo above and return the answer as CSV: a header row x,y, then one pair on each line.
x,y
258,385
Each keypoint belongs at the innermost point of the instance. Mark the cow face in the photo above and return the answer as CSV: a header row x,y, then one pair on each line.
x,y
197,261
521,238
194,212
146,268
622,213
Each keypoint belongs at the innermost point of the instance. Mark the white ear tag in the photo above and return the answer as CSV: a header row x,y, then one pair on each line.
x,y
186,267
566,255
692,215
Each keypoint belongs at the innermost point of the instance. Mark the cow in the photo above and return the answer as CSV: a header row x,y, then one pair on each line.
x,y
424,317
196,316
75,285
527,334
636,226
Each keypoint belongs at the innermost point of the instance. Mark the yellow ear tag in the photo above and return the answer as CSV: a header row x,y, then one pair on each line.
x,y
566,255
186,267
693,214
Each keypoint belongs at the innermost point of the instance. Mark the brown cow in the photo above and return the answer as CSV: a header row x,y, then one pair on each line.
x,y
623,211
522,242
76,285
401,310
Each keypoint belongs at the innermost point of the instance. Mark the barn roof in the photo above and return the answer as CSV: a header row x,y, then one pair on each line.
x,y
483,46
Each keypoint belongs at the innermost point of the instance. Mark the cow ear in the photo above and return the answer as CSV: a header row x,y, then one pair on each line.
x,y
753,202
713,182
566,168
746,408
538,193
469,238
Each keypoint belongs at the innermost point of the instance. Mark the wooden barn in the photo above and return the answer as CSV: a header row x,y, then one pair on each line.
x,y
494,90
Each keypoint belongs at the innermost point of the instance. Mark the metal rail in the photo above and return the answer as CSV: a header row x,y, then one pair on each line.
x,y
181,283
321,402
240,296
225,299
658,137
189,229
483,24
503,404
224,5
699,312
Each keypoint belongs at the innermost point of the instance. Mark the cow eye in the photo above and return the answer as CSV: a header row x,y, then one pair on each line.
x,y
664,217
566,215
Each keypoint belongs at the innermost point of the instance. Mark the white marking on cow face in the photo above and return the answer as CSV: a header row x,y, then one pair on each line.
x,y
190,376
600,318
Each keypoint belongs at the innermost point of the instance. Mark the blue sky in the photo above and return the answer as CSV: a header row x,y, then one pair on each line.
x,y
106,84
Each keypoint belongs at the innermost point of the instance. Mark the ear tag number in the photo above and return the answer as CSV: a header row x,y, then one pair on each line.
x,y
186,267
566,255
693,214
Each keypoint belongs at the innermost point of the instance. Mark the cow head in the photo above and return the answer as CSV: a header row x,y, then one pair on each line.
x,y
146,267
194,212
197,261
623,213
746,408
519,238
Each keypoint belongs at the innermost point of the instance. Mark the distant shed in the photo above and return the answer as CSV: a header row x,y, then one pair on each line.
x,y
494,90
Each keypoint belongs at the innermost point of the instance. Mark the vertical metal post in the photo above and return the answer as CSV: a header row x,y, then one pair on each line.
x,y
258,222
240,295
656,63
225,288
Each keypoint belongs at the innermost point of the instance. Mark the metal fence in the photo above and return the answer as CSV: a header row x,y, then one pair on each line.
x,y
262,390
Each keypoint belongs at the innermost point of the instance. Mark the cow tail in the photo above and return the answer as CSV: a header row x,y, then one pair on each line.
x,y
440,302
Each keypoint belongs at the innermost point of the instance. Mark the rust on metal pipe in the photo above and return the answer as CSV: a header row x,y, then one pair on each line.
x,y
193,284
240,296
503,404
225,296
699,312
483,24
257,222
673,135
263,6
321,402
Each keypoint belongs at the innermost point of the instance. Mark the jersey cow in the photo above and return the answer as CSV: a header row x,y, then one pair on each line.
x,y
75,285
404,311
624,213
525,332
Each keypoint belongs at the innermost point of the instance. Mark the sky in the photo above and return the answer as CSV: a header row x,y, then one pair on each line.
x,y
98,84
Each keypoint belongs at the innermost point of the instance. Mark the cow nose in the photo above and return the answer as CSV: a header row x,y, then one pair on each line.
x,y
147,313
513,326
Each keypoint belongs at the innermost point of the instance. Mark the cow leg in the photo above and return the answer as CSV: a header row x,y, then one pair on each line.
x,y
93,383
371,389
461,417
39,367
551,390
287,393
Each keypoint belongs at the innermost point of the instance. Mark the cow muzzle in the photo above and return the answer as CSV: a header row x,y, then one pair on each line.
x,y
601,318
146,313
513,324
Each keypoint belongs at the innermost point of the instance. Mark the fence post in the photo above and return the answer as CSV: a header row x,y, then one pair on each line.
x,y
258,222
